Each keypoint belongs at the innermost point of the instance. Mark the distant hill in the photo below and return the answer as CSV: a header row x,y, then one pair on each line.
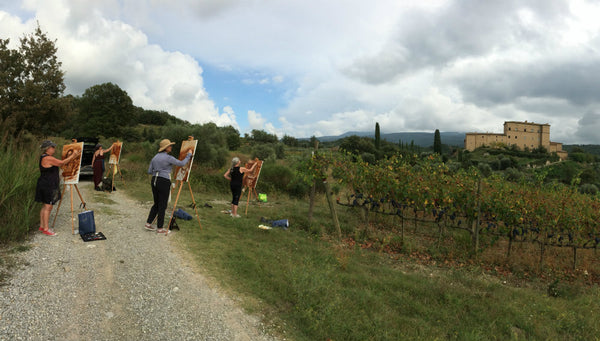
x,y
419,139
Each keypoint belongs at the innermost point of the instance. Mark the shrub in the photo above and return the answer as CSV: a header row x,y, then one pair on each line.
x,y
263,152
18,211
512,174
275,177
369,158
485,168
298,188
588,189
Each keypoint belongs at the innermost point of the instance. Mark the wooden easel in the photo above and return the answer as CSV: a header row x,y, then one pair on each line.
x,y
82,205
190,138
253,179
177,199
113,171
250,191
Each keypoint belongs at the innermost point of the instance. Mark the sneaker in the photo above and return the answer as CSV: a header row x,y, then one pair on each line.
x,y
149,227
48,232
161,230
235,215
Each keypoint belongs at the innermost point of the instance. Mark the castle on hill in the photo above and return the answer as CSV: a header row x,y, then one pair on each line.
x,y
524,135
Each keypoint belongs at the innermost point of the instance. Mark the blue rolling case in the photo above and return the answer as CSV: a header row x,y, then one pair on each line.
x,y
87,227
86,222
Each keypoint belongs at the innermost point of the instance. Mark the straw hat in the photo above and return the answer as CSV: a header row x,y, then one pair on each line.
x,y
164,144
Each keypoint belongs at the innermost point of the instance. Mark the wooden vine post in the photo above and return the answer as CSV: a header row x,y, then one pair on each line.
x,y
336,222
313,190
475,226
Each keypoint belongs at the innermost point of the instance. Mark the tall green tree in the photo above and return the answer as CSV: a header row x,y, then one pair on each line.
x,y
437,142
377,136
32,84
261,136
233,137
104,110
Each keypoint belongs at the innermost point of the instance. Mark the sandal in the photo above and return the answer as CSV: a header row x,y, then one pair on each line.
x,y
48,232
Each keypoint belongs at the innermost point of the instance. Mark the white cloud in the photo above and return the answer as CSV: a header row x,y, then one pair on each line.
x,y
256,120
95,49
409,65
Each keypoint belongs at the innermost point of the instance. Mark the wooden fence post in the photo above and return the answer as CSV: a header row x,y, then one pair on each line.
x,y
332,209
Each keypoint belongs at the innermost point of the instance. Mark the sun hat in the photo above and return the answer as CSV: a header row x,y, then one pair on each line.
x,y
47,144
164,144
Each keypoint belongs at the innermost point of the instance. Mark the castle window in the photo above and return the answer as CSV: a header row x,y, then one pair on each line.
x,y
525,130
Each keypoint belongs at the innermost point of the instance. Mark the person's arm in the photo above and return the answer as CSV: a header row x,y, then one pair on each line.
x,y
150,166
244,169
174,161
52,161
226,175
94,158
110,148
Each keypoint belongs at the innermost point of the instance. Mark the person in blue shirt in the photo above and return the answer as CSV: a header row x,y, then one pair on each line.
x,y
160,169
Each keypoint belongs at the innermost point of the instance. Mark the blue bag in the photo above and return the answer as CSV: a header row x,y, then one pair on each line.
x,y
86,222
181,214
281,223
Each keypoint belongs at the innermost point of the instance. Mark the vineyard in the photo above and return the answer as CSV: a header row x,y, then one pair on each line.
x,y
547,215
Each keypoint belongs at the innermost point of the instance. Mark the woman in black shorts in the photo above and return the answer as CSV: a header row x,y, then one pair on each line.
x,y
235,175
47,190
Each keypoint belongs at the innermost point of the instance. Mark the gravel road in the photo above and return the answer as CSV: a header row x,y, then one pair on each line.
x,y
135,285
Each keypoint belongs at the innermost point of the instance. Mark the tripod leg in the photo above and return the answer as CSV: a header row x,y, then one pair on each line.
x,y
119,169
194,201
72,216
248,201
80,197
59,202
174,206
112,184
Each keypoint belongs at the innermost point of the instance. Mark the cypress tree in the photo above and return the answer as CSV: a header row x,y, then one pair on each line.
x,y
437,142
377,136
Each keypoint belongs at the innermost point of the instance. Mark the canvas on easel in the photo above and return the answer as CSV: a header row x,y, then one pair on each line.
x,y
250,179
113,162
70,171
182,174
70,176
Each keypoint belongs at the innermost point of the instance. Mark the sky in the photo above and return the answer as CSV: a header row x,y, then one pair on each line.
x,y
316,68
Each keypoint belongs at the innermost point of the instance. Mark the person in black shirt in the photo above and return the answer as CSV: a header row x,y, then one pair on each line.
x,y
235,175
47,190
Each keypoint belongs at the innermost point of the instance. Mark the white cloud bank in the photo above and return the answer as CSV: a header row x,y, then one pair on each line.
x,y
94,50
453,65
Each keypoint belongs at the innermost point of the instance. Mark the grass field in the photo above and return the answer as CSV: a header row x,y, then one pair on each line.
x,y
310,286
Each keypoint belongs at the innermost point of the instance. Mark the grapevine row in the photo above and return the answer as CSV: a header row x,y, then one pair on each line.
x,y
548,214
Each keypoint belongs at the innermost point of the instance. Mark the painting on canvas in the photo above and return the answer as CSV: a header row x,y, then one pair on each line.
x,y
183,173
115,153
70,171
250,179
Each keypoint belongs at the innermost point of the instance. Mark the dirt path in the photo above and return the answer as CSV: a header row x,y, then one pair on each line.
x,y
136,285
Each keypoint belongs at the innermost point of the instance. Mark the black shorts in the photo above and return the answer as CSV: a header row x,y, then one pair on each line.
x,y
46,193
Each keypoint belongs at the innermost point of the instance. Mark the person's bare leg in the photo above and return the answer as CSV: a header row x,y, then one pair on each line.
x,y
45,216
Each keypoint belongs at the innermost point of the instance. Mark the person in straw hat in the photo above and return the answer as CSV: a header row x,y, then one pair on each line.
x,y
47,189
160,169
